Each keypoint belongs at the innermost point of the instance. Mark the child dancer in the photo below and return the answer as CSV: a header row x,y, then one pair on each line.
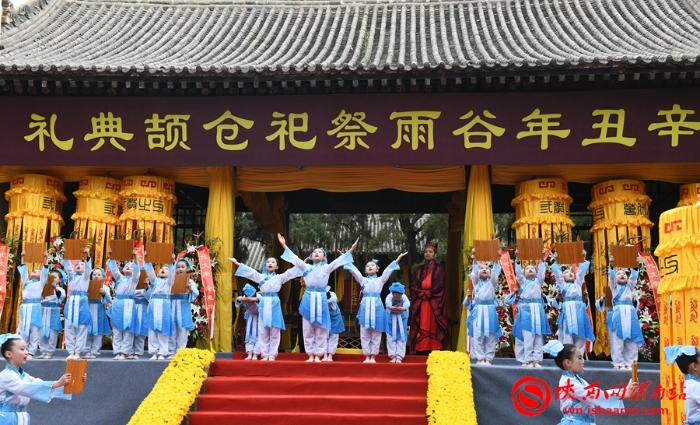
x,y
316,319
687,358
51,314
483,325
531,321
17,387
99,325
626,332
123,311
141,332
397,305
577,405
30,314
77,310
371,314
574,324
250,305
272,322
159,313
337,325
182,314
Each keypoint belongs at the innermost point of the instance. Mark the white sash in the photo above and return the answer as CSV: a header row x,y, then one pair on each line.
x,y
157,313
397,322
128,312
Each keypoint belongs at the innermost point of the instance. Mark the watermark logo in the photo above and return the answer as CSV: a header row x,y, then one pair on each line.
x,y
531,396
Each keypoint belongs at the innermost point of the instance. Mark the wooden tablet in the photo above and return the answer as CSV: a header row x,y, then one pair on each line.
x,y
487,250
159,253
74,249
77,369
34,252
625,256
570,252
530,249
180,285
122,249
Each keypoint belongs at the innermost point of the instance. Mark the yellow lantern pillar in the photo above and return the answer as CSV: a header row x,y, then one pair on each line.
x,y
620,211
97,214
147,203
679,254
542,209
35,204
690,194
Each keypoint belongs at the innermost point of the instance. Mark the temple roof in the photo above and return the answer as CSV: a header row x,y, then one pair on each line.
x,y
323,38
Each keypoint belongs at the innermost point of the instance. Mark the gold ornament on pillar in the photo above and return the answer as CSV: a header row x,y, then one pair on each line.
x,y
542,209
35,204
679,255
620,215
690,194
147,204
96,214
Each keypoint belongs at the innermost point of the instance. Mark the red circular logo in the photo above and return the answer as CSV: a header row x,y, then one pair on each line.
x,y
530,396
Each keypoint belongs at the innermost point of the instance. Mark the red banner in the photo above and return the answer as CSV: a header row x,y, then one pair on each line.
x,y
207,286
509,273
4,258
653,274
140,255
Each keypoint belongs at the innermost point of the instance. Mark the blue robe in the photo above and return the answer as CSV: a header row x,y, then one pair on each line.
x,y
17,388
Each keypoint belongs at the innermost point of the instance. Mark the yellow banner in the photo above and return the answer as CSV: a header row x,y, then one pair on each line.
x,y
667,379
541,208
690,194
147,203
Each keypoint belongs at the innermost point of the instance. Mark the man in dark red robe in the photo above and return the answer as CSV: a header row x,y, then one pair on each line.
x,y
428,314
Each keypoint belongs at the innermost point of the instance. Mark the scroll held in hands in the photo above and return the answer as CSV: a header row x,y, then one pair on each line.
x,y
570,252
77,369
530,249
122,249
94,289
487,250
159,253
74,249
34,252
180,285
625,256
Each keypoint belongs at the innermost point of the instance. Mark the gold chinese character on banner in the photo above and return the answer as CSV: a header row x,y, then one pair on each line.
x,y
351,134
610,132
674,126
231,127
414,127
41,133
107,127
174,133
539,124
492,130
288,128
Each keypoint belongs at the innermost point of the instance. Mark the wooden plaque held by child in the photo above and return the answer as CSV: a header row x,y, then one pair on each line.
x,y
608,297
94,289
487,250
180,285
74,249
159,253
143,280
122,249
625,256
48,290
34,252
570,252
77,369
530,249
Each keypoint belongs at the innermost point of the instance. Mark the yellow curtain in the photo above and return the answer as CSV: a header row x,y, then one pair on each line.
x,y
690,194
350,179
35,204
620,210
148,203
219,223
96,212
542,209
478,224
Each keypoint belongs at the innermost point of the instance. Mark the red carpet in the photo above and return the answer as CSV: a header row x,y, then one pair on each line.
x,y
290,391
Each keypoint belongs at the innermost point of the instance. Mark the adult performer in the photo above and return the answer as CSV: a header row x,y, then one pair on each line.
x,y
428,318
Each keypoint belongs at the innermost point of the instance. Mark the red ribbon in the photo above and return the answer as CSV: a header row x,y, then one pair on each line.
x,y
207,286
653,275
509,273
140,254
4,258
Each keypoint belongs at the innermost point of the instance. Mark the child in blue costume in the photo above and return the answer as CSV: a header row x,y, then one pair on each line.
x,y
99,326
316,319
182,313
397,305
531,320
17,387
626,331
159,313
687,357
371,314
271,322
574,324
77,310
482,323
141,332
577,404
51,314
250,305
30,314
337,325
123,309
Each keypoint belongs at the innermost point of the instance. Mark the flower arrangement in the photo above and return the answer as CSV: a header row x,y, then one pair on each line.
x,y
176,389
648,316
450,391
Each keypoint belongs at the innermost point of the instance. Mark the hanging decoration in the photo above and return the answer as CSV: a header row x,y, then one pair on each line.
x,y
690,194
147,205
542,209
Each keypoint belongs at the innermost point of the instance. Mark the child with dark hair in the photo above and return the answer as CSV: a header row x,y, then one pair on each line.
x,y
30,314
99,325
397,305
51,314
181,312
687,357
625,331
577,405
337,325
249,300
77,310
159,312
17,387
123,309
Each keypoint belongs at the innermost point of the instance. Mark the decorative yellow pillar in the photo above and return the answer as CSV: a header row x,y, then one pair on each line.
x,y
690,194
148,203
542,209
679,254
97,212
620,211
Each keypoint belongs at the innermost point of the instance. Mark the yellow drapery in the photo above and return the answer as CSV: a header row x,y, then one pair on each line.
x,y
690,194
96,212
542,209
35,204
350,179
620,210
148,205
679,254
220,223
478,224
